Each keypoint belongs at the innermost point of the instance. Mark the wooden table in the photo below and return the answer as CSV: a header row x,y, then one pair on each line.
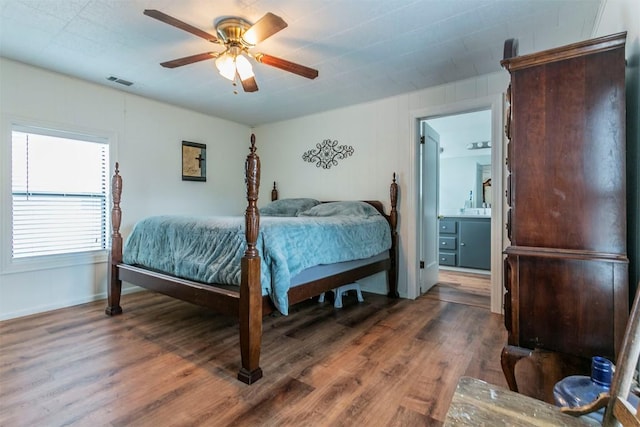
x,y
477,403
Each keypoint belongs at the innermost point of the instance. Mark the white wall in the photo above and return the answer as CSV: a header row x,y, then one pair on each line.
x,y
620,15
147,139
382,135
616,16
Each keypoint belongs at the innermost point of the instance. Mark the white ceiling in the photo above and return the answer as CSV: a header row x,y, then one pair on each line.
x,y
363,49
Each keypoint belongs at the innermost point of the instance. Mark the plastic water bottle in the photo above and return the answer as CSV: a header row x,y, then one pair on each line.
x,y
578,390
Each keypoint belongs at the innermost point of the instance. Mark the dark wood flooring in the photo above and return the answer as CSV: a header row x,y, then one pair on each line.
x,y
168,363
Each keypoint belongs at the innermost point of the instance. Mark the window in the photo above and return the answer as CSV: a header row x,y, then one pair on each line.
x,y
59,192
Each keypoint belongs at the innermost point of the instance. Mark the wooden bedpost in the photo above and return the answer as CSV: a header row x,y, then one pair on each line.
x,y
250,308
114,284
393,221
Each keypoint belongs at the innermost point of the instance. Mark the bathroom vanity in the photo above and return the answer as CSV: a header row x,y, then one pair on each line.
x,y
465,241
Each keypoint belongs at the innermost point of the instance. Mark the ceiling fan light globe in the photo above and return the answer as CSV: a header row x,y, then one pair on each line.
x,y
227,74
226,66
245,70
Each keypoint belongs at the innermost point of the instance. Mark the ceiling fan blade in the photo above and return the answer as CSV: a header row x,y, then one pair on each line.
x,y
190,59
249,84
285,65
163,17
266,26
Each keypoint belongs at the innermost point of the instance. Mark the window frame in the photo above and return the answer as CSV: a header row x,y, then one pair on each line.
x,y
8,264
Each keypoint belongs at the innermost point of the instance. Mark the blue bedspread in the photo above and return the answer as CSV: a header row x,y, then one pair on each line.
x,y
209,249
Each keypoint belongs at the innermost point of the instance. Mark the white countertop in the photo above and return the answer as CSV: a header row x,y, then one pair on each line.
x,y
467,213
466,216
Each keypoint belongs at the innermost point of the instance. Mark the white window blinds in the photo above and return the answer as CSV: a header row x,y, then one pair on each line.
x,y
59,189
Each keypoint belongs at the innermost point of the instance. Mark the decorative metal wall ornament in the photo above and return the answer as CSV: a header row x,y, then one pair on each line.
x,y
327,154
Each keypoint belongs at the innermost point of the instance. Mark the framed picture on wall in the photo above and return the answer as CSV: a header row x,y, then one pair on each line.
x,y
194,161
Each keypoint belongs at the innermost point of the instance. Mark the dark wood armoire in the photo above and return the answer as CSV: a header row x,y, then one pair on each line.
x,y
566,268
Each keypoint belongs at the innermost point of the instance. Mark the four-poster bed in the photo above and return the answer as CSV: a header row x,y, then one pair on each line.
x,y
248,302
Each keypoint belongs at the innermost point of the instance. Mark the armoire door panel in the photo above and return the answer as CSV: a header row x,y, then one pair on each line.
x,y
568,163
568,295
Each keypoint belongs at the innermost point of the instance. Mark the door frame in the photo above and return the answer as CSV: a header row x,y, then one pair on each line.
x,y
498,235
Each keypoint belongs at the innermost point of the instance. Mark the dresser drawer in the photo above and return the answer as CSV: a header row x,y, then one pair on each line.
x,y
448,226
447,259
447,243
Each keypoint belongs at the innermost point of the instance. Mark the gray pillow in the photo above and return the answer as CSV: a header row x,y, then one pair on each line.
x,y
288,207
350,208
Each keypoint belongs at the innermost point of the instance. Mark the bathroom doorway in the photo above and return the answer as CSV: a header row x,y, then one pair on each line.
x,y
464,195
494,103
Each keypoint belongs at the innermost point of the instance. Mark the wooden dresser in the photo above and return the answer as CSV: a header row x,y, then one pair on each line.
x,y
566,269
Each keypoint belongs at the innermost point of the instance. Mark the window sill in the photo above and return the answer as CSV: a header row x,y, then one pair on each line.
x,y
22,265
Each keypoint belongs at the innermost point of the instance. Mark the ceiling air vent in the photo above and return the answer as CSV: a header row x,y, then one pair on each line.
x,y
121,81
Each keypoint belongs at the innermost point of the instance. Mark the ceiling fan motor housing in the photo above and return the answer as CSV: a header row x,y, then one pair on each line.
x,y
231,30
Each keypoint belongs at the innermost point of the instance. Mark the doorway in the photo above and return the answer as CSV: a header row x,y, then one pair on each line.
x,y
464,193
487,194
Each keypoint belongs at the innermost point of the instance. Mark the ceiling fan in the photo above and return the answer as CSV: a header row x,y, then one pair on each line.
x,y
237,36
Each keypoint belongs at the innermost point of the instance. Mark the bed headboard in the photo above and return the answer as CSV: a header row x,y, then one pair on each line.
x,y
375,203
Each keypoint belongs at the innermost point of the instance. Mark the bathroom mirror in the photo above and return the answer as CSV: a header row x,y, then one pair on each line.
x,y
462,183
465,161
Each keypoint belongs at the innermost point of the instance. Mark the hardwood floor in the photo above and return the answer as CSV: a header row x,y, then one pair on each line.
x,y
462,287
168,363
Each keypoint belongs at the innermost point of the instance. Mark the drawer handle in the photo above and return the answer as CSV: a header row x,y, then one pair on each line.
x,y
444,227
444,243
462,244
443,259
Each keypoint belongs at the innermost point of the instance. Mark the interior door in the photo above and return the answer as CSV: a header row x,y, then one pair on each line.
x,y
429,177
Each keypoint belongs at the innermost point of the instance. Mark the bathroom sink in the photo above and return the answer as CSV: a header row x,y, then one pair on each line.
x,y
476,211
